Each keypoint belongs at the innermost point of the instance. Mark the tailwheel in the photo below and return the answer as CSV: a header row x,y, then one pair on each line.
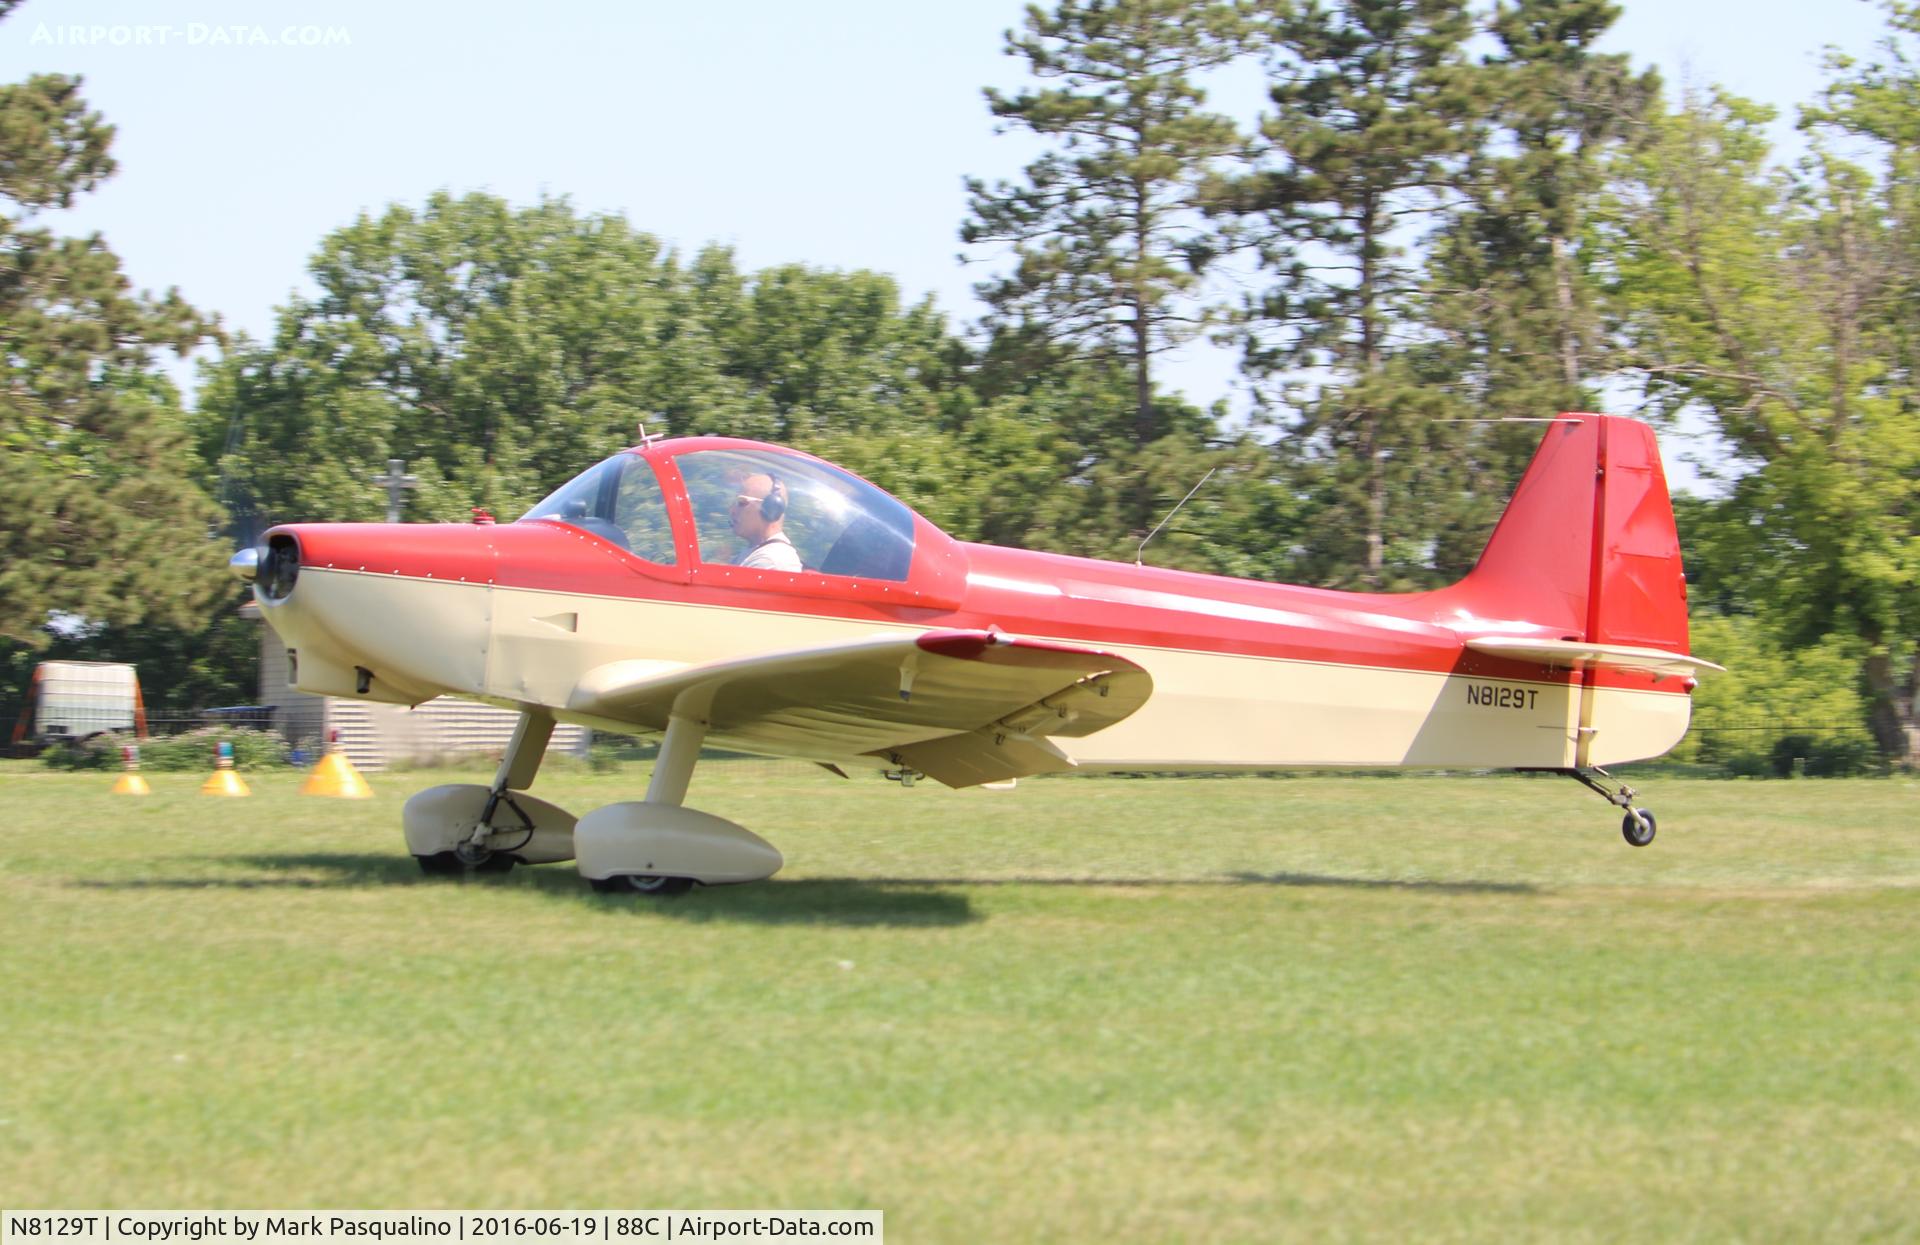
x,y
1637,826
640,884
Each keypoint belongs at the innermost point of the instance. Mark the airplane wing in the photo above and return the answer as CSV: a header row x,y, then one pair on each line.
x,y
1574,654
963,707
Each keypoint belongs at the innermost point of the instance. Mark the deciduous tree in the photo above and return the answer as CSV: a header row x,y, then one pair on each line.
x,y
501,350
1774,302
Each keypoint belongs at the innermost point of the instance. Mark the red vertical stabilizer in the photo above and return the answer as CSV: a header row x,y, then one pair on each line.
x,y
1587,546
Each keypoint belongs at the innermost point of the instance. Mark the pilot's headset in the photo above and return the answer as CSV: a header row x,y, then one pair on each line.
x,y
774,504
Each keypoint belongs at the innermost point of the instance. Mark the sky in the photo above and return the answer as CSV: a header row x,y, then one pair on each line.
x,y
836,134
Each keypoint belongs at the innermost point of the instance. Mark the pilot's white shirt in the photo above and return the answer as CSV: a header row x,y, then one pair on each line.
x,y
775,553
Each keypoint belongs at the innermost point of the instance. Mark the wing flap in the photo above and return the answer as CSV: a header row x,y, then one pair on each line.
x,y
981,756
1576,654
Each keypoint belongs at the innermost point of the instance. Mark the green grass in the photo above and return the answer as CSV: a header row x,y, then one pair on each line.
x,y
1230,1009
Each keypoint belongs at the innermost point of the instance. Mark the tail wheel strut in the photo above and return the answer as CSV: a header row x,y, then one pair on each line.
x,y
1637,827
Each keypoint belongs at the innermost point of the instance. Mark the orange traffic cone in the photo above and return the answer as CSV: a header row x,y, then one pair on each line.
x,y
335,776
130,782
224,780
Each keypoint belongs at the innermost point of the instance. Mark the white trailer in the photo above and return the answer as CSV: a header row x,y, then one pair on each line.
x,y
75,699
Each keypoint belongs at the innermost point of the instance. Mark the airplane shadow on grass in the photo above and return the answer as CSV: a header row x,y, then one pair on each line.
x,y
1465,886
905,901
799,902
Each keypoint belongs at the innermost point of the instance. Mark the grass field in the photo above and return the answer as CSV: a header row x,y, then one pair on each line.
x,y
1229,1009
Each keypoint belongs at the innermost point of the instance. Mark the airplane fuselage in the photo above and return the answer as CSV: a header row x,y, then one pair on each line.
x,y
1245,674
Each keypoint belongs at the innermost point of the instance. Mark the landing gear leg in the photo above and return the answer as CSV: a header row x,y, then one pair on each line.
x,y
672,772
1637,827
673,768
525,751
659,847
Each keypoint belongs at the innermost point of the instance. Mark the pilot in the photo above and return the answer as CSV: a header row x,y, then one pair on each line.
x,y
759,513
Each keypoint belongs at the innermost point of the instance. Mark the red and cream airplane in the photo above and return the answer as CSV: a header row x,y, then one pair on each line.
x,y
630,601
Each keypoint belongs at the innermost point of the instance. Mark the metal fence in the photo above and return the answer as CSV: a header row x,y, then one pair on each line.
x,y
250,717
1762,747
25,737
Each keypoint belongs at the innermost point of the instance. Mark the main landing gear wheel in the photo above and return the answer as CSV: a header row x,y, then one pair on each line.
x,y
640,884
450,865
1633,831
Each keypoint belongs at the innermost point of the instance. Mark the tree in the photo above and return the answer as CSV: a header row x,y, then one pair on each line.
x,y
501,350
213,661
103,521
497,351
1374,112
1043,489
1774,302
1558,110
1512,294
1866,278
1108,242
1776,705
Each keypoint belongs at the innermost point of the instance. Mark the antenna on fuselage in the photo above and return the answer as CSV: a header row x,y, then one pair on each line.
x,y
646,439
1142,550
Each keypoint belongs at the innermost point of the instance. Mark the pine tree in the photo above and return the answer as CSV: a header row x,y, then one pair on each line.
x,y
1374,112
1512,290
103,522
1108,245
1562,108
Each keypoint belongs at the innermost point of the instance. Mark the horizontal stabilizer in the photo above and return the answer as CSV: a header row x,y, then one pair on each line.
x,y
1576,654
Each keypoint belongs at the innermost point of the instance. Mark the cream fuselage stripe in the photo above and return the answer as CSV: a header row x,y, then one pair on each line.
x,y
1208,709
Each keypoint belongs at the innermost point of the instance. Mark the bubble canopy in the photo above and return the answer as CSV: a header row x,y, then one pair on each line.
x,y
839,524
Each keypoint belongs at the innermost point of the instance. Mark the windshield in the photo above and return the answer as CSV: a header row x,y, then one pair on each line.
x,y
619,501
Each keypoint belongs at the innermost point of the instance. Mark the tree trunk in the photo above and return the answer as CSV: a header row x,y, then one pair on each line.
x,y
1910,716
1891,715
1376,505
1142,383
1142,330
1370,365
1569,335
